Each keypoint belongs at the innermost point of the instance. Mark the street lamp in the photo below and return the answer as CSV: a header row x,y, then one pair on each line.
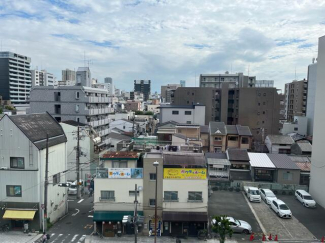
x,y
156,164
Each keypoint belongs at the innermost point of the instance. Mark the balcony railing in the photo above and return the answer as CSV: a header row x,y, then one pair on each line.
x,y
98,99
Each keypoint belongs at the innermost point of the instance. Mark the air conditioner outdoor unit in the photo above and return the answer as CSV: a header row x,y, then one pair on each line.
x,y
4,168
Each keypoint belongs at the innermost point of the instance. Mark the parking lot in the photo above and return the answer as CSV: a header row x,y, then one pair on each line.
x,y
305,225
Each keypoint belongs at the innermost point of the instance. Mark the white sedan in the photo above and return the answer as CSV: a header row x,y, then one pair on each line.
x,y
281,209
267,195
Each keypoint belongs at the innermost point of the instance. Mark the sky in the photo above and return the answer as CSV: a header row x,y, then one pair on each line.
x,y
166,40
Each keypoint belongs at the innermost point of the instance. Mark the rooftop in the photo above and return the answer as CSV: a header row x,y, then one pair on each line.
x,y
180,106
118,136
120,155
282,161
204,129
217,128
174,158
74,123
280,139
260,160
305,146
237,155
304,166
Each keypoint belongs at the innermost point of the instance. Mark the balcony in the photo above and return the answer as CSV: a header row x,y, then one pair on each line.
x,y
99,122
103,132
98,100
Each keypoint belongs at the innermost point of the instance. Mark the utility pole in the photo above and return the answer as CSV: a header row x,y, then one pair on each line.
x,y
135,218
46,182
78,164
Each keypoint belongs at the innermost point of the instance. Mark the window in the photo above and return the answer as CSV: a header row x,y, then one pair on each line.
x,y
188,112
152,202
132,193
13,191
77,108
217,150
296,129
57,109
153,176
188,102
232,138
258,113
264,103
120,164
56,179
188,122
57,96
17,163
107,195
264,94
287,176
192,93
263,112
244,140
258,103
195,196
175,112
217,138
170,196
77,95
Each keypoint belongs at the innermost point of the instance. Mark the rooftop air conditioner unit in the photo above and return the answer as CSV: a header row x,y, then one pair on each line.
x,y
4,168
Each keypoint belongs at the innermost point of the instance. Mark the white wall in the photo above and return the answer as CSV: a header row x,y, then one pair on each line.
x,y
301,126
109,163
122,124
123,202
197,115
317,180
312,80
183,187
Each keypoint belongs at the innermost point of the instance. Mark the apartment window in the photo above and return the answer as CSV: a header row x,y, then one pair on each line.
x,y
188,102
195,196
188,112
77,108
120,164
296,129
175,112
57,96
107,195
263,112
152,202
56,179
57,109
188,122
153,176
258,113
258,103
244,140
217,150
287,176
170,196
17,163
232,138
13,191
192,93
132,193
77,95
264,94
217,138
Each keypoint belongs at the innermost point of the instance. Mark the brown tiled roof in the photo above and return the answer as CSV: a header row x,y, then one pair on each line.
x,y
120,155
304,166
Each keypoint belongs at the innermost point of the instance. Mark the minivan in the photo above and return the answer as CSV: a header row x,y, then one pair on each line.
x,y
305,198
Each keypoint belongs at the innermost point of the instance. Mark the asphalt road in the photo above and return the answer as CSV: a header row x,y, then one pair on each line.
x,y
76,225
233,204
312,218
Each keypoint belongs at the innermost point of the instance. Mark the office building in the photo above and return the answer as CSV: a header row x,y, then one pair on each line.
x,y
108,82
78,103
143,86
311,92
296,99
257,108
235,80
83,77
15,78
182,83
68,75
167,92
317,178
42,78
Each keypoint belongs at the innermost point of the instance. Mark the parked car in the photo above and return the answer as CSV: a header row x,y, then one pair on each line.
x,y
305,198
238,226
281,209
267,195
252,193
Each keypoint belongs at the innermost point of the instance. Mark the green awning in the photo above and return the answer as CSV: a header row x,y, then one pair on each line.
x,y
112,215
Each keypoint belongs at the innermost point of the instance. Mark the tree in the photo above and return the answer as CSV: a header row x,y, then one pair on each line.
x,y
149,113
221,226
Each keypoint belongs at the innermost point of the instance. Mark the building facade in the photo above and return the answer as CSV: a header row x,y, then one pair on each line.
x,y
143,86
257,108
187,114
108,82
167,92
317,179
311,93
83,77
296,99
42,78
82,104
234,80
15,78
68,75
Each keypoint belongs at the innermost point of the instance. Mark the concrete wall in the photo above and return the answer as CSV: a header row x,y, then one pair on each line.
x,y
317,180
300,127
312,80
197,115
123,125
121,187
183,187
221,144
295,176
130,163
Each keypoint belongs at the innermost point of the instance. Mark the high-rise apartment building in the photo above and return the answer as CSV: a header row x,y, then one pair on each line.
x,y
310,109
68,75
258,108
15,78
167,92
108,82
317,178
296,99
182,83
83,77
42,78
143,86
78,103
237,80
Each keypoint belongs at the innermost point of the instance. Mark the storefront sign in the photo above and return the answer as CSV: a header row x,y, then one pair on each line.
x,y
119,173
185,174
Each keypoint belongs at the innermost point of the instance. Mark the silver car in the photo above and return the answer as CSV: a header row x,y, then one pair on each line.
x,y
238,226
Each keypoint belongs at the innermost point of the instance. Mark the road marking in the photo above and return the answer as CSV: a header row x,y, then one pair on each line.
x,y
60,235
88,226
74,238
257,218
70,200
90,216
81,200
83,237
52,234
76,212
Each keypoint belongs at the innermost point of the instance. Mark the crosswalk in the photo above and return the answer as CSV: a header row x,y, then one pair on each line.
x,y
67,238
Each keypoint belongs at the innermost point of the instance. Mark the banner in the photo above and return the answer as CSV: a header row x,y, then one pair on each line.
x,y
119,173
185,174
136,173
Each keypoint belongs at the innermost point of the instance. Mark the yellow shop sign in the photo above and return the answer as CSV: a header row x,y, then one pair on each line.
x,y
184,174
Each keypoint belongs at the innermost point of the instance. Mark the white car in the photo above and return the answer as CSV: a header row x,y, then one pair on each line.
x,y
253,194
72,190
305,198
238,226
281,209
267,195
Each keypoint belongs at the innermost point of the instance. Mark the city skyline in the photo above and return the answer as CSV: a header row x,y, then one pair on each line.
x,y
165,41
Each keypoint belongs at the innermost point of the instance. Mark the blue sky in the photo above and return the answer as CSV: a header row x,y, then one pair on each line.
x,y
165,40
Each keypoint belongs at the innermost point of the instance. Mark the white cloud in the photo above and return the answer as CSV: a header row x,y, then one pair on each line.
x,y
166,40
